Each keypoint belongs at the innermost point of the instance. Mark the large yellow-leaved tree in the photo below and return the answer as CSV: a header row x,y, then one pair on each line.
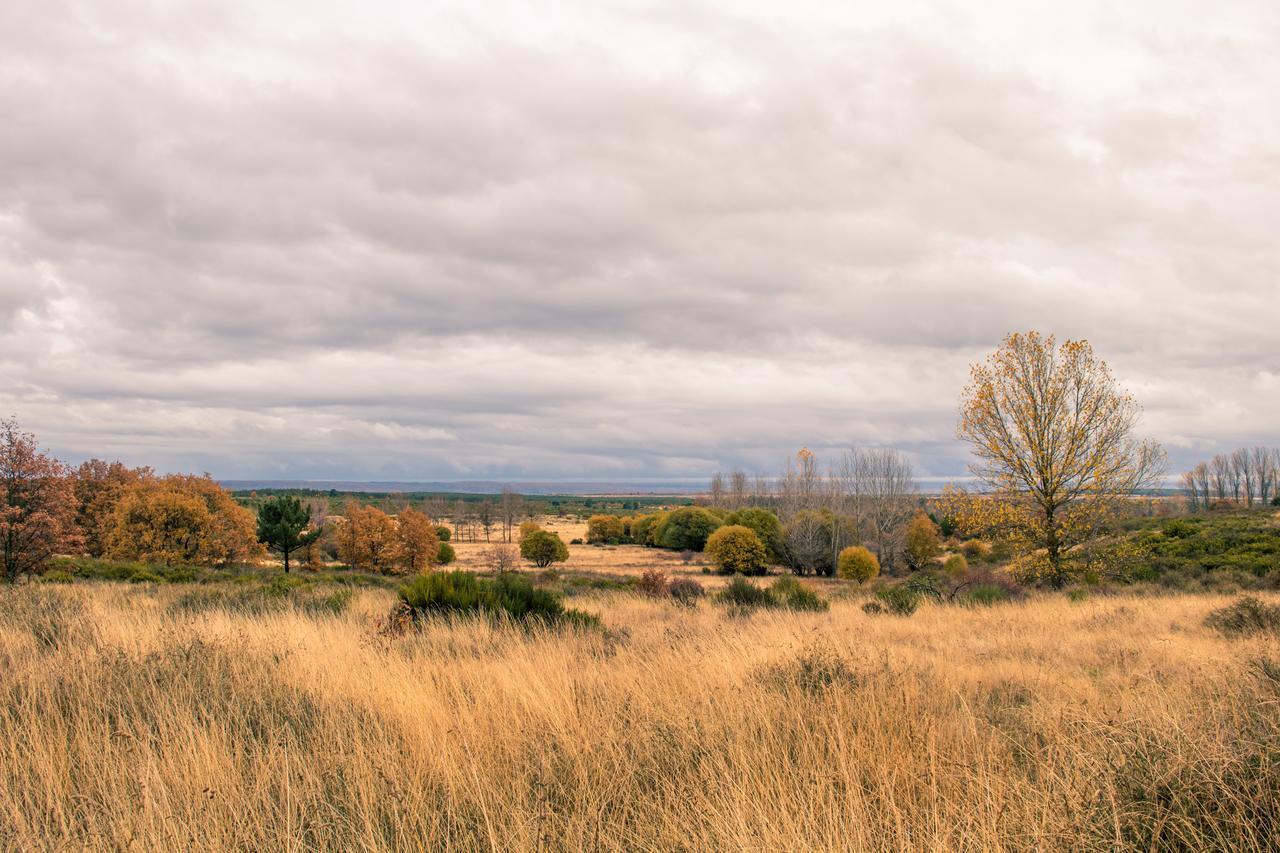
x,y
1053,434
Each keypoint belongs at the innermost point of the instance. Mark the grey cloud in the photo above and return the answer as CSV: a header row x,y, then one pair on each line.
x,y
682,236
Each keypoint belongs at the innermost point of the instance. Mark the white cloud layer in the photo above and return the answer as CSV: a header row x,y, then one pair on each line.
x,y
622,239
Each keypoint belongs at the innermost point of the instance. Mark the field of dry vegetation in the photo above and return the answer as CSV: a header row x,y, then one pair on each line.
x,y
162,717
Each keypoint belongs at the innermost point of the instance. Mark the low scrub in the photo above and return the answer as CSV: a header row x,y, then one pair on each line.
x,y
900,600
785,593
1245,617
686,592
510,595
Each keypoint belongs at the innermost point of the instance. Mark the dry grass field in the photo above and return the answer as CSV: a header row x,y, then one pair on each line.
x,y
157,718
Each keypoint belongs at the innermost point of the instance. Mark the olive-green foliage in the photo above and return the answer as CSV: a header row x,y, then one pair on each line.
x,y
510,594
986,594
605,529
742,593
542,548
737,550
443,533
975,549
446,554
644,526
900,600
956,565
1209,552
858,564
786,592
765,524
1246,616
686,528
794,594
134,571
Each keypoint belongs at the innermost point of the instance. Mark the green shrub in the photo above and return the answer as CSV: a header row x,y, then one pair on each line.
x,y
1246,616
857,563
446,554
786,592
743,594
542,548
144,576
986,594
975,549
764,523
509,594
643,528
795,595
58,576
956,566
899,600
686,528
443,533
738,550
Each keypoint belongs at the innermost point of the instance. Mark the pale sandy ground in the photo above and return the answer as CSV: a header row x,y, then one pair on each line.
x,y
605,559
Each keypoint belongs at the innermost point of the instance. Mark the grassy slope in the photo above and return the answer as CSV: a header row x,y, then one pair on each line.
x,y
160,717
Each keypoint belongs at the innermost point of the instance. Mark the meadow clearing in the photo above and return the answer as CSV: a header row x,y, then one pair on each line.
x,y
163,717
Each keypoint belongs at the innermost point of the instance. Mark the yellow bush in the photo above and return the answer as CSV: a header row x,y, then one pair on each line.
x,y
858,564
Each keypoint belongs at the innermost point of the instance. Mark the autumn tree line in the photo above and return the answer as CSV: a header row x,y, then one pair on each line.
x,y
110,511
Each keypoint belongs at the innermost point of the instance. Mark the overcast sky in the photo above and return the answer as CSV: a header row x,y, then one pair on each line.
x,y
622,239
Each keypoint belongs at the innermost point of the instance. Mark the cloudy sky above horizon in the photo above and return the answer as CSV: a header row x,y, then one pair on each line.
x,y
621,240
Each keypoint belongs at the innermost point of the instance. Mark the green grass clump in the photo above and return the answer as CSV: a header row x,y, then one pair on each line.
x,y
900,600
786,592
508,594
795,595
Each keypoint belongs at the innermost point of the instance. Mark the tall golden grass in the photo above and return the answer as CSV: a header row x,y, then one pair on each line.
x,y
131,719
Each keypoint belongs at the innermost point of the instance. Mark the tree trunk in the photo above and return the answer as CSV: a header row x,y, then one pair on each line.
x,y
286,562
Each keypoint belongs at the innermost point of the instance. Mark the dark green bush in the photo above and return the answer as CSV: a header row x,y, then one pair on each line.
x,y
986,594
796,595
785,592
1246,616
508,594
901,600
446,554
764,523
686,528
742,593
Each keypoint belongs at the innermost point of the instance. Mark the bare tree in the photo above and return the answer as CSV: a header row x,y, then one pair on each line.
x,y
801,486
878,487
484,514
1196,499
737,490
511,505
716,493
1220,476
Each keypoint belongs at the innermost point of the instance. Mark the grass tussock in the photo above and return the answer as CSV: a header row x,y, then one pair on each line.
x,y
129,719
